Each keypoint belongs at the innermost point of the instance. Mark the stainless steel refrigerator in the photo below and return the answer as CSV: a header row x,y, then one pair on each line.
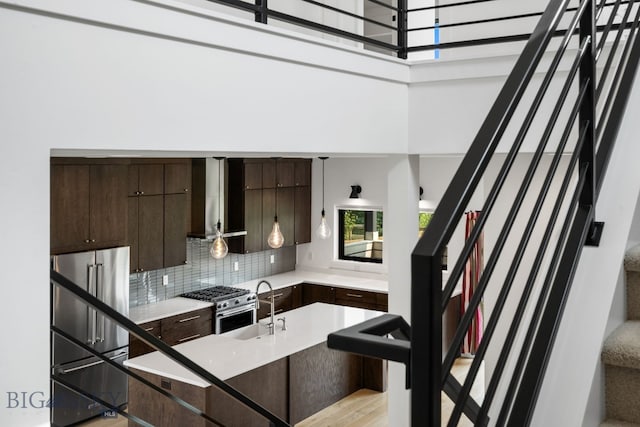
x,y
105,274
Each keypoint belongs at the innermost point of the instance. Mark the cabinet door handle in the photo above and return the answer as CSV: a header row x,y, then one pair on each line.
x,y
141,193
278,295
189,319
149,329
87,241
188,338
93,240
186,190
354,295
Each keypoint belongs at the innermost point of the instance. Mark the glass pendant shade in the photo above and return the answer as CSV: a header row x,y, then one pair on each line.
x,y
323,231
276,239
219,248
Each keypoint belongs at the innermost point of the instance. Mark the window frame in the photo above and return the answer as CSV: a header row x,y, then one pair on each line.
x,y
341,256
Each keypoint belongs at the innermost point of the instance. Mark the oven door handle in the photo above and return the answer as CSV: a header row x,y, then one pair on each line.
x,y
244,308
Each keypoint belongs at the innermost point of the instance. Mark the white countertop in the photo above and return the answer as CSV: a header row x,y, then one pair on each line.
x,y
171,307
226,357
174,306
296,277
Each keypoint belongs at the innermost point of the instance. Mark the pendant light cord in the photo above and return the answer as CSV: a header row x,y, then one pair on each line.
x,y
323,159
219,189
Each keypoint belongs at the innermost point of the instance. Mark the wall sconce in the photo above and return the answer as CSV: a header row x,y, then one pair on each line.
x,y
355,192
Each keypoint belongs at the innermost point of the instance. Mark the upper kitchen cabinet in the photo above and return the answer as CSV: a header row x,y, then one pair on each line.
x,y
146,180
285,172
302,172
88,204
159,218
256,189
176,211
177,177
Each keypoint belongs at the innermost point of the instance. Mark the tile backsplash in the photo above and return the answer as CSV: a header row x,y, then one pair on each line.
x,y
202,271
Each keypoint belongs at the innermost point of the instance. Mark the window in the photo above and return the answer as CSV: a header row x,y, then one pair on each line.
x,y
360,235
424,218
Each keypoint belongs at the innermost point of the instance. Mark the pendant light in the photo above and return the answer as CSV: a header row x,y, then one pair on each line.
x,y
219,248
275,239
323,231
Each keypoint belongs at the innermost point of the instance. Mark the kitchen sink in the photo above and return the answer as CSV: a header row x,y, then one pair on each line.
x,y
248,332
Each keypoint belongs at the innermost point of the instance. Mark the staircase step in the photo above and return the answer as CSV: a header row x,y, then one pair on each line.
x,y
622,388
622,347
615,423
632,259
633,295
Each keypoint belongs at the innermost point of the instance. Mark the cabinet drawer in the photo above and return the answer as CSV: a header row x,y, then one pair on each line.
x,y
356,296
282,299
383,301
187,326
136,346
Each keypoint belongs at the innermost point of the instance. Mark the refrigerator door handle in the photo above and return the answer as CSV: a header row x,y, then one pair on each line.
x,y
88,365
100,295
91,313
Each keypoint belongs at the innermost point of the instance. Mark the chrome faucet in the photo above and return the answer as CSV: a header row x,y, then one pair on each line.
x,y
271,325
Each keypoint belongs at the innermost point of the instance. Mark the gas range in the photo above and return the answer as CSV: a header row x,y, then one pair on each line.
x,y
224,297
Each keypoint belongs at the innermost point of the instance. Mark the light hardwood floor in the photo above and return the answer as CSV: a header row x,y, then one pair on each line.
x,y
364,408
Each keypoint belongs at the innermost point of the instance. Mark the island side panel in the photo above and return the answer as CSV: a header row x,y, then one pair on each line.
x,y
320,377
374,374
267,386
153,407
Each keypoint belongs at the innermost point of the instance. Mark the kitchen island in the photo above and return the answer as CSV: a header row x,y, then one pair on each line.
x,y
292,373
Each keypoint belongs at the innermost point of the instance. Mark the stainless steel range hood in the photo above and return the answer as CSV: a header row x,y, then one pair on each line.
x,y
206,198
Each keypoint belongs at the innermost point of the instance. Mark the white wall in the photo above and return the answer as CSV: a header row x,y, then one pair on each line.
x,y
70,84
578,343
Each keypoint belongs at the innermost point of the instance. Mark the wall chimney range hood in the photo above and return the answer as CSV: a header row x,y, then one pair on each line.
x,y
206,199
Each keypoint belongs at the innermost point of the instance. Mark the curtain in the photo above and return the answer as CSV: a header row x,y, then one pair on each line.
x,y
472,273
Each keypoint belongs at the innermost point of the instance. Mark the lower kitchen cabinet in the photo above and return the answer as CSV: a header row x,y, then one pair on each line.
x,y
356,298
187,327
174,330
282,301
318,293
137,347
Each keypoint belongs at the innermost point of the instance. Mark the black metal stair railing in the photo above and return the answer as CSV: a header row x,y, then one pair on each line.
x,y
577,104
124,322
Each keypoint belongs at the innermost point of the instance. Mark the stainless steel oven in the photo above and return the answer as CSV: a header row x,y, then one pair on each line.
x,y
234,307
235,317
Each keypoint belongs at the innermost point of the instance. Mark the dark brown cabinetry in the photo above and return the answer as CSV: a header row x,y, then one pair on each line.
x,y
174,330
146,180
282,298
260,188
137,347
88,205
176,212
187,327
159,213
318,293
146,233
293,388
177,177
